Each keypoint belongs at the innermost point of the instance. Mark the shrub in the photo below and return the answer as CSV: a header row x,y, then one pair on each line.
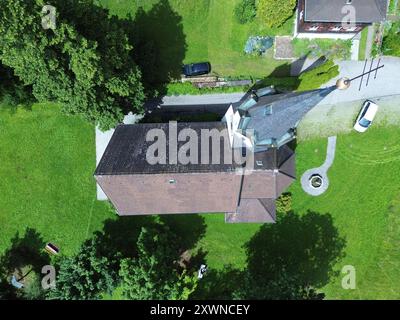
x,y
316,77
284,203
391,42
245,11
275,12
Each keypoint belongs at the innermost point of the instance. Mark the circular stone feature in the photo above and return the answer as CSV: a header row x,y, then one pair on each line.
x,y
316,181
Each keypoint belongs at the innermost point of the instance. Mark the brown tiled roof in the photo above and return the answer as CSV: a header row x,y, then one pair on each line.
x,y
136,194
254,211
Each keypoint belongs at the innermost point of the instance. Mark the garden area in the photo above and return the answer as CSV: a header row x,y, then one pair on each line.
x,y
209,31
48,159
47,185
315,48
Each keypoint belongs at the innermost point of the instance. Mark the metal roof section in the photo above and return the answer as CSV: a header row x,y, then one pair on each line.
x,y
271,120
367,11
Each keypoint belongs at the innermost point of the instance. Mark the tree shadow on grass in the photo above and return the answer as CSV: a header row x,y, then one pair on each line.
x,y
189,228
296,253
24,258
120,235
160,45
26,250
306,246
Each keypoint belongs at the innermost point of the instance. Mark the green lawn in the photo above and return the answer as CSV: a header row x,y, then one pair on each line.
x,y
363,44
363,200
46,182
212,34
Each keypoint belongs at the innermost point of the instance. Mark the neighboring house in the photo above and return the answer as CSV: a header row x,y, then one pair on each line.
x,y
261,125
323,18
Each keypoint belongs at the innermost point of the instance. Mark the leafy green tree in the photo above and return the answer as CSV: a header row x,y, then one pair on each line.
x,y
245,11
86,275
275,12
155,273
391,42
318,76
12,90
90,73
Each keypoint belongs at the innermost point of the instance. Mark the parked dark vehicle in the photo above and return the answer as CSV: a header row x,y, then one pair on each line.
x,y
196,69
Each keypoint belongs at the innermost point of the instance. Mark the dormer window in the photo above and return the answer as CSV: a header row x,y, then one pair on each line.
x,y
268,110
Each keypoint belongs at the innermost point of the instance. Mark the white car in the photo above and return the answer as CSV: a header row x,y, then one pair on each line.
x,y
366,116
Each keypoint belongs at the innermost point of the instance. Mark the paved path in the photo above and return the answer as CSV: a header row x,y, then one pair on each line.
x,y
386,83
204,99
328,120
322,171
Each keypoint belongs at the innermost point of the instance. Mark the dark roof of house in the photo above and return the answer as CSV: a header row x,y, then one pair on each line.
x,y
127,149
367,11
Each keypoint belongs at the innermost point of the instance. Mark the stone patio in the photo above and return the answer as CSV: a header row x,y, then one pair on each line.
x,y
283,49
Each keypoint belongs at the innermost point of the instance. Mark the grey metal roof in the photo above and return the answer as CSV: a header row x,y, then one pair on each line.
x,y
367,11
272,117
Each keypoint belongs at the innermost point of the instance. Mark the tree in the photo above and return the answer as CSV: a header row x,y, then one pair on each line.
x,y
86,275
12,90
245,11
391,42
275,12
155,273
318,76
90,73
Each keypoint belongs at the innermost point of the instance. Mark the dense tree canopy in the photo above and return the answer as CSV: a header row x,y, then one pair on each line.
x,y
155,273
275,12
90,73
86,275
391,42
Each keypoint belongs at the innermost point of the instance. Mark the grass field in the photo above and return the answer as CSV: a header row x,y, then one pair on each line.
x,y
363,44
212,34
46,183
364,202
